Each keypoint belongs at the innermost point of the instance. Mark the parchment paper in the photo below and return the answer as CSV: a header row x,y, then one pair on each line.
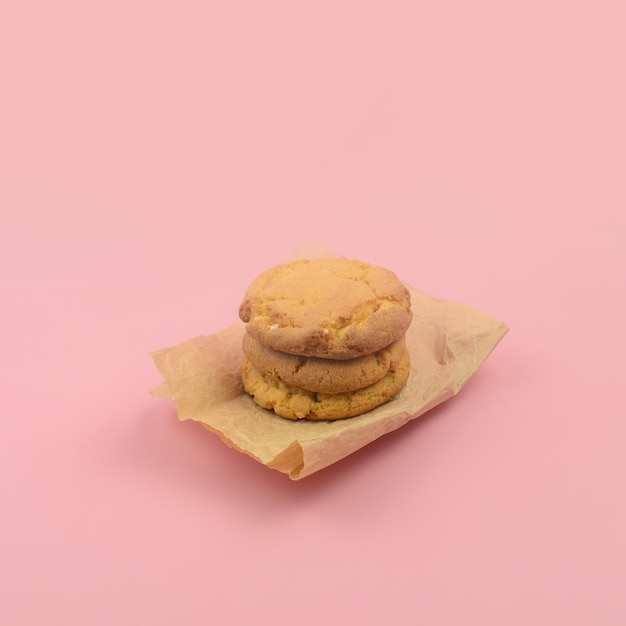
x,y
447,341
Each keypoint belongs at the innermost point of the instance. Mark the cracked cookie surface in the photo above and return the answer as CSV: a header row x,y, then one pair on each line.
x,y
295,403
327,308
323,375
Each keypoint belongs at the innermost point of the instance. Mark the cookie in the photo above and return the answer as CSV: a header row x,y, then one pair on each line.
x,y
323,375
296,403
327,308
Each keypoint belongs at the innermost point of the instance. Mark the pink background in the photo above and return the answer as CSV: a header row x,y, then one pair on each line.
x,y
156,156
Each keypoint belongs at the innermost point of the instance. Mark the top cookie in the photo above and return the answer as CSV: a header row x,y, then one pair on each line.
x,y
329,308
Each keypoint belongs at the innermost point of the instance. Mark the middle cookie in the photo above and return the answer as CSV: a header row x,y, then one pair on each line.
x,y
323,375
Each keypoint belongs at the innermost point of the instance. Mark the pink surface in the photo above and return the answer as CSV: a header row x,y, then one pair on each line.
x,y
154,157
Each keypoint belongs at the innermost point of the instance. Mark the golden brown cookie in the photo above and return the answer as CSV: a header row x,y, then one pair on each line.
x,y
296,403
327,308
323,375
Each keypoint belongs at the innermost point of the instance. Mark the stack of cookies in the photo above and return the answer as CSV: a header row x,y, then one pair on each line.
x,y
325,338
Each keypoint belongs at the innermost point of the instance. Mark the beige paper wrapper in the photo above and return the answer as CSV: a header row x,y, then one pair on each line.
x,y
447,341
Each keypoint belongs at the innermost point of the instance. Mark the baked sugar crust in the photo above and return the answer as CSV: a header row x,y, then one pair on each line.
x,y
327,308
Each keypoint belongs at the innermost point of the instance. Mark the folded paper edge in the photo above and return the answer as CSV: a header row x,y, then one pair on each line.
x,y
230,443
290,461
498,334
161,391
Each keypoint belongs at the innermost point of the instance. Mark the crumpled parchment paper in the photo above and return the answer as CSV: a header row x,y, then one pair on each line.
x,y
447,341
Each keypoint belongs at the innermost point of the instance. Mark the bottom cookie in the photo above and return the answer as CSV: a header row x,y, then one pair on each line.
x,y
297,403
